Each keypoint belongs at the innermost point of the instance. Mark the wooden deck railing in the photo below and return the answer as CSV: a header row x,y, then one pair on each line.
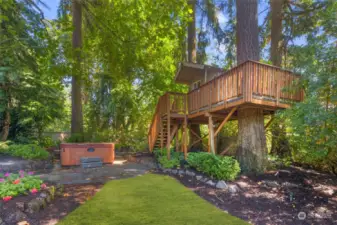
x,y
249,82
170,103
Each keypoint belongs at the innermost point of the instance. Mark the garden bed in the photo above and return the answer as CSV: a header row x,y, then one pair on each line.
x,y
275,197
72,197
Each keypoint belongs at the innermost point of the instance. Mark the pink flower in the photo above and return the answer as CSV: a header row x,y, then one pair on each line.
x,y
2,180
22,175
34,191
21,171
30,173
7,174
43,186
16,181
7,198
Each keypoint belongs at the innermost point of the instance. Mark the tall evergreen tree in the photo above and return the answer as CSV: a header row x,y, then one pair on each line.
x,y
252,149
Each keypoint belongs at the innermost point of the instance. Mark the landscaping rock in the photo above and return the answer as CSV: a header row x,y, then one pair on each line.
x,y
190,173
33,206
210,183
20,206
204,180
221,185
181,172
271,183
174,171
233,188
46,197
15,217
1,220
289,185
198,177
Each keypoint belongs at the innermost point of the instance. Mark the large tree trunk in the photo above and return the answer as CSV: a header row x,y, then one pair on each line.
x,y
5,126
247,31
192,57
76,98
191,35
252,149
280,145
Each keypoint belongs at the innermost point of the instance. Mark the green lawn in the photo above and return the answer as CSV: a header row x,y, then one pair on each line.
x,y
148,199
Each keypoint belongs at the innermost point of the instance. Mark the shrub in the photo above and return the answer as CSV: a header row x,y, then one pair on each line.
x,y
161,156
30,151
172,163
218,167
12,185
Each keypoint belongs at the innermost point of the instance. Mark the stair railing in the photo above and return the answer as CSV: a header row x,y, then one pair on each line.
x,y
170,103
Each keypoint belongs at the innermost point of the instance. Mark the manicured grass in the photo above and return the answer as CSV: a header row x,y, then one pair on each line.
x,y
148,199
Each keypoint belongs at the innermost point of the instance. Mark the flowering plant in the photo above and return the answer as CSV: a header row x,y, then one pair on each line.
x,y
14,184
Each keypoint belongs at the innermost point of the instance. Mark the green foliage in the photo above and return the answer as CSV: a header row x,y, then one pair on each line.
x,y
172,163
29,151
161,156
218,167
25,182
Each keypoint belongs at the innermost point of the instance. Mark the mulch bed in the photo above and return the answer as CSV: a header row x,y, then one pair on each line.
x,y
276,197
74,195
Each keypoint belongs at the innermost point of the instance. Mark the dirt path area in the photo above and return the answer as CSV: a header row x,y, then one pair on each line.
x,y
276,197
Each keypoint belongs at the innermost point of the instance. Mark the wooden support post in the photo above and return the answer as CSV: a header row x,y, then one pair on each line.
x,y
225,121
162,133
177,141
168,143
269,122
211,146
184,144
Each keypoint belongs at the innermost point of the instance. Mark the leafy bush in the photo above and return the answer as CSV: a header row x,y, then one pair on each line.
x,y
46,142
30,151
161,156
218,167
172,163
12,185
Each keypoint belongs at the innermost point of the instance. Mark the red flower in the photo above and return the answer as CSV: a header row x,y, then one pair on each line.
x,y
7,198
43,186
34,191
16,181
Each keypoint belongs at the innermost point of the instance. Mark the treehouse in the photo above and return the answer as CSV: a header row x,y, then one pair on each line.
x,y
215,96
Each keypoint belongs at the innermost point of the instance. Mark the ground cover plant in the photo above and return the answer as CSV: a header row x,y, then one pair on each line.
x,y
148,199
14,184
25,151
218,167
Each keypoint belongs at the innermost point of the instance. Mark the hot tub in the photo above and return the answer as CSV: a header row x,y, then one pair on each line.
x,y
71,153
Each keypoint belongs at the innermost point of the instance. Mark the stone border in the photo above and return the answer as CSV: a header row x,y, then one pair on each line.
x,y
219,184
40,201
27,165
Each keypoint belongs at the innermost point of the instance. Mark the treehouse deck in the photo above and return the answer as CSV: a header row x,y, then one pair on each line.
x,y
250,84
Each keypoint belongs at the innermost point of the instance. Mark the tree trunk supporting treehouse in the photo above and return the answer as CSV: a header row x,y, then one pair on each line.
x,y
252,151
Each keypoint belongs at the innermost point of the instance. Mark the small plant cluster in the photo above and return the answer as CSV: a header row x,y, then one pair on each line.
x,y
217,167
174,162
28,151
14,184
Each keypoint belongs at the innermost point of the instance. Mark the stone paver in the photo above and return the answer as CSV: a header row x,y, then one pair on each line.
x,y
77,175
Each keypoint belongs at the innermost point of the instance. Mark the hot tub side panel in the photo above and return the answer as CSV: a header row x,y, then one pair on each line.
x,y
72,153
